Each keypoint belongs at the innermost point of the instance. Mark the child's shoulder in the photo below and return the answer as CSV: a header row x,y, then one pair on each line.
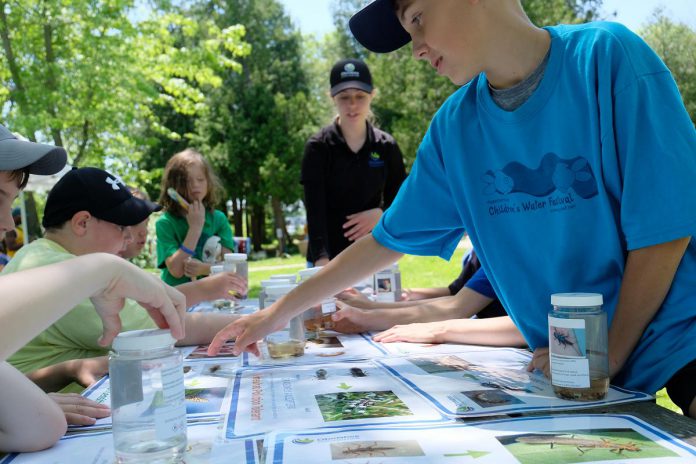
x,y
608,42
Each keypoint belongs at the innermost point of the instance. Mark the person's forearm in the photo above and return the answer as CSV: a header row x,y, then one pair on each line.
x,y
49,301
494,331
202,327
464,304
647,278
415,294
386,305
361,259
29,419
52,378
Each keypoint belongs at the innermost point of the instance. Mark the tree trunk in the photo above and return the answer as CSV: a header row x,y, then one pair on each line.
x,y
237,217
258,227
33,227
279,217
51,82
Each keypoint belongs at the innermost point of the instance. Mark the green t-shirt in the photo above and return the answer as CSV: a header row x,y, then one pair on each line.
x,y
75,335
171,232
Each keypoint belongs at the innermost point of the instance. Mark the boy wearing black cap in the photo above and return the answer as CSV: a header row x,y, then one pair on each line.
x,y
31,420
351,170
89,210
568,157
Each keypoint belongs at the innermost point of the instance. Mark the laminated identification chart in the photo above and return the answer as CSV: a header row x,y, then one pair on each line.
x,y
203,447
487,382
405,348
322,395
321,348
205,394
533,440
199,353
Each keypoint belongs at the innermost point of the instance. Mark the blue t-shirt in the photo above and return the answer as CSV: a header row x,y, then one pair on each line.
x,y
599,161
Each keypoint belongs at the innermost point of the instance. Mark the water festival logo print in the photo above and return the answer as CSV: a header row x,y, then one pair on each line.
x,y
375,160
553,174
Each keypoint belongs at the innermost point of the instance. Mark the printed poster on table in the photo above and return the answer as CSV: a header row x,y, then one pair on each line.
x,y
193,354
206,394
323,347
204,447
488,382
562,439
406,348
322,395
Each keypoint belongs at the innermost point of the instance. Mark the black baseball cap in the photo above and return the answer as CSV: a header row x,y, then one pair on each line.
x,y
100,193
377,27
350,74
18,154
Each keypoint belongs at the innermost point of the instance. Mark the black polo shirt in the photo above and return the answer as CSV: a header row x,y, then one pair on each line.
x,y
338,182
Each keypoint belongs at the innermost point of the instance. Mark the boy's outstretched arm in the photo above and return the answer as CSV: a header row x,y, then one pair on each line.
x,y
361,259
647,278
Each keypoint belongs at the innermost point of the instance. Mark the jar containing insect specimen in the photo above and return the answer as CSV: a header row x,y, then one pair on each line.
x,y
289,341
222,304
237,263
578,340
147,397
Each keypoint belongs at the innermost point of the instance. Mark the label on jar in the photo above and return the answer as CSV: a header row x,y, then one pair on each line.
x,y
570,366
328,307
170,414
385,287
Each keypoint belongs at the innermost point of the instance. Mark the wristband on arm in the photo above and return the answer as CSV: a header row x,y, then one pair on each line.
x,y
188,251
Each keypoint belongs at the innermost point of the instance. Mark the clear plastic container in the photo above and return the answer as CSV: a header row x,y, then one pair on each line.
x,y
147,398
237,263
222,304
289,341
264,285
289,278
318,318
387,284
578,346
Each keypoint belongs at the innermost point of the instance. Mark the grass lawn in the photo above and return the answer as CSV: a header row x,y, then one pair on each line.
x,y
416,272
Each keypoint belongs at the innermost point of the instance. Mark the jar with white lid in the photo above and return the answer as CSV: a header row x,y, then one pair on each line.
x,y
222,304
147,397
578,346
289,341
237,263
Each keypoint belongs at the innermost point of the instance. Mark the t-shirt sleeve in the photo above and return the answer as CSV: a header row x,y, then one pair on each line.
x,y
223,230
479,283
423,219
167,243
656,146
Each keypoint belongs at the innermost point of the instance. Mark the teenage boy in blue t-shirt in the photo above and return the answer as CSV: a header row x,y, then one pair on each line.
x,y
568,157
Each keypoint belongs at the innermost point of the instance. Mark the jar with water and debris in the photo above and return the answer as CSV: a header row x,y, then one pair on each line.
x,y
289,341
578,346
237,263
147,397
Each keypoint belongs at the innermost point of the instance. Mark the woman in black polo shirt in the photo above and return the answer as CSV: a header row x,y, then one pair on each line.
x,y
351,170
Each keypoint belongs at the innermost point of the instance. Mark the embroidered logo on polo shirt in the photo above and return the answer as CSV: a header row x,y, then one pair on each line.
x,y
375,160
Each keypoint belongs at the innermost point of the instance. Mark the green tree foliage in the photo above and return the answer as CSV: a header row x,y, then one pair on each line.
x,y
675,43
257,122
84,75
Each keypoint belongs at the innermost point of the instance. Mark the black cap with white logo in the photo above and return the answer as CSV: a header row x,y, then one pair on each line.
x,y
100,193
350,74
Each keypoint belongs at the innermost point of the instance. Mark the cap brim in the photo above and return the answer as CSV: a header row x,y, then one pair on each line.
x,y
129,213
378,29
350,85
41,159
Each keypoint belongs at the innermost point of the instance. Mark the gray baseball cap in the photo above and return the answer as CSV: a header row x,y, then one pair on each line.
x,y
18,154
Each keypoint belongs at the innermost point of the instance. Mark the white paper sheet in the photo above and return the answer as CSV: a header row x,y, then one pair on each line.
x,y
575,438
487,382
205,393
322,395
204,447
